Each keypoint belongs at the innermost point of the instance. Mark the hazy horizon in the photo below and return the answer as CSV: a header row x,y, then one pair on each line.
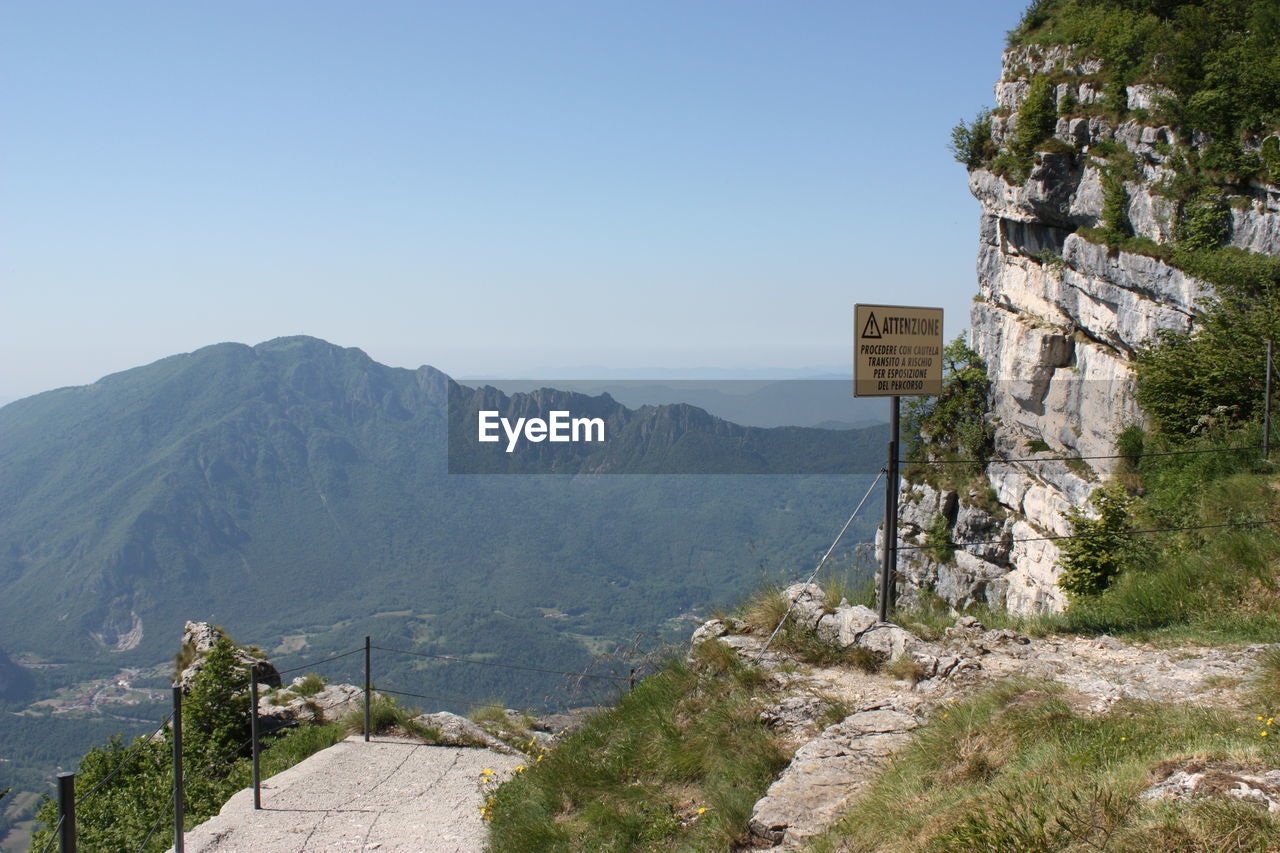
x,y
490,189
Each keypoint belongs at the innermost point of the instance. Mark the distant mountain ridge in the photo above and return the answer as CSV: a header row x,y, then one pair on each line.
x,y
674,438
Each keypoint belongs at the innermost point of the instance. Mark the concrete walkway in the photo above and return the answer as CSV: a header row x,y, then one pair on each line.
x,y
387,795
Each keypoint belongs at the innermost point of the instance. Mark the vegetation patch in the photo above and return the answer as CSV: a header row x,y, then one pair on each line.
x,y
952,426
1023,767
676,765
1200,580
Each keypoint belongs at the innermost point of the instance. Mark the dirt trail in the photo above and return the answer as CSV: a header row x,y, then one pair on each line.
x,y
388,795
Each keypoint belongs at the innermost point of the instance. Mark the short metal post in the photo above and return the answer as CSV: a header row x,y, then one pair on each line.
x,y
631,681
889,560
1266,409
253,736
67,812
179,808
368,686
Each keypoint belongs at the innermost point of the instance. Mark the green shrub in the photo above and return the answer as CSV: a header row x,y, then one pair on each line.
x,y
952,424
971,144
1204,221
311,684
938,546
1115,207
1185,380
1037,117
215,763
1102,546
386,715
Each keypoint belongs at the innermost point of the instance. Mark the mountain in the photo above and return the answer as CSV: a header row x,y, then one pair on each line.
x,y
297,493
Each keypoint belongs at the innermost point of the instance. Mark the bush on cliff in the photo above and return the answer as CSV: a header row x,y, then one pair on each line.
x,y
1220,59
133,810
953,425
1186,380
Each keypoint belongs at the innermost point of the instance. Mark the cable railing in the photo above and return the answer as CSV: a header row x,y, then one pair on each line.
x,y
224,763
996,460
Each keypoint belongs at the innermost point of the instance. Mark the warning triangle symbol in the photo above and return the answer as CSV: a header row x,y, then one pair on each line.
x,y
871,330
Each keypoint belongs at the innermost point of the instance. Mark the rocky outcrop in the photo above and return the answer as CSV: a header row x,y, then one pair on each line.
x,y
459,731
1058,319
296,704
1198,779
198,638
843,627
826,773
833,762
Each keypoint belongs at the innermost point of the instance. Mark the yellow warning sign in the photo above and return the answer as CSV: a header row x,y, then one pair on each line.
x,y
897,351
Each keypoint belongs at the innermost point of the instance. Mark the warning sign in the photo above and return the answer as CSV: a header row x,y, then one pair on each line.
x,y
897,351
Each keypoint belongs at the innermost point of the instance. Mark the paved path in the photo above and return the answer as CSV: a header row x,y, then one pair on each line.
x,y
387,795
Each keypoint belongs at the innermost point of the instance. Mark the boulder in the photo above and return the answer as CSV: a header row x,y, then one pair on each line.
x,y
459,731
843,627
808,603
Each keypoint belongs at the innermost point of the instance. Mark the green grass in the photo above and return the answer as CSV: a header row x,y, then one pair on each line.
x,y
387,716
288,749
1021,767
676,765
311,684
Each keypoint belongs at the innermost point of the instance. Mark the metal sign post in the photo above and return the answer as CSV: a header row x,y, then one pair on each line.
x,y
897,353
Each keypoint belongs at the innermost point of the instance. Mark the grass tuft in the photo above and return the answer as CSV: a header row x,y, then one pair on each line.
x,y
1022,767
677,764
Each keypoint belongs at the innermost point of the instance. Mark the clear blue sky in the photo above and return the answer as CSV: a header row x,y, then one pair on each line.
x,y
488,187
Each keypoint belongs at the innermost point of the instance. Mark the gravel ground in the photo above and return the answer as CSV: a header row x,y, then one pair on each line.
x,y
387,795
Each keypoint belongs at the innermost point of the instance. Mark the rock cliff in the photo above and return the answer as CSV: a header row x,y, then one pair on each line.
x,y
1058,318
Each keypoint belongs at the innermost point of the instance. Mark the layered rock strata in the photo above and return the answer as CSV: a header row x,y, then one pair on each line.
x,y
1058,319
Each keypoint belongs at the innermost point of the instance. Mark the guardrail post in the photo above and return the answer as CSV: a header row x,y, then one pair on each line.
x,y
179,809
253,736
67,812
368,686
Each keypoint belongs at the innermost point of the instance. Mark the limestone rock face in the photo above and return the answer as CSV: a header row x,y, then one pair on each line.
x,y
1058,320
